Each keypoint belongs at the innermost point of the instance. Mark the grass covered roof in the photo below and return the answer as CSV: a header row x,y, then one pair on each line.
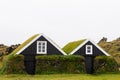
x,y
72,45
24,43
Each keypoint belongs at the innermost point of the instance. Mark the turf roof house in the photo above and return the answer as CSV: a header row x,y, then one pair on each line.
x,y
88,49
40,45
37,45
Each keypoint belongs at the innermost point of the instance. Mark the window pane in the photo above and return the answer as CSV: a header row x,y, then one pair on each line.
x,y
43,50
39,50
43,43
88,51
39,47
43,47
39,44
88,47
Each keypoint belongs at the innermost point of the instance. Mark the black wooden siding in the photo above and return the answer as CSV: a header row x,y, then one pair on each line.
x,y
32,49
82,50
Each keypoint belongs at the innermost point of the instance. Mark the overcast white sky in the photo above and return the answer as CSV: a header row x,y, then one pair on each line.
x,y
61,20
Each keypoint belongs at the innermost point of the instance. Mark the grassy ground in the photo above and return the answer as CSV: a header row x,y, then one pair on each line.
x,y
61,77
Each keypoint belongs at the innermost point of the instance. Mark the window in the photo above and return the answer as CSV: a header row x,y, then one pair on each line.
x,y
89,49
41,47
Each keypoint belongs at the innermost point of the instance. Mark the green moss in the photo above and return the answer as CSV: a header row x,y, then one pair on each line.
x,y
72,45
59,64
105,64
13,65
24,44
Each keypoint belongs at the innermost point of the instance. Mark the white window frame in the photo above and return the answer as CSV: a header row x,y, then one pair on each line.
x,y
90,50
40,50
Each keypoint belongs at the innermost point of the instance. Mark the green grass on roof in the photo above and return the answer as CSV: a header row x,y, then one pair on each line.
x,y
24,44
72,45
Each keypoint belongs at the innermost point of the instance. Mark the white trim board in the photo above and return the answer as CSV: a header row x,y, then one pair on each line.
x,y
81,45
45,38
41,49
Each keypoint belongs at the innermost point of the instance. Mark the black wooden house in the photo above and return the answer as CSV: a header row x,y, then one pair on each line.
x,y
39,45
89,50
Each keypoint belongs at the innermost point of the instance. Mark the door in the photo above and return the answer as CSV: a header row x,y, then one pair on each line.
x,y
89,64
30,64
